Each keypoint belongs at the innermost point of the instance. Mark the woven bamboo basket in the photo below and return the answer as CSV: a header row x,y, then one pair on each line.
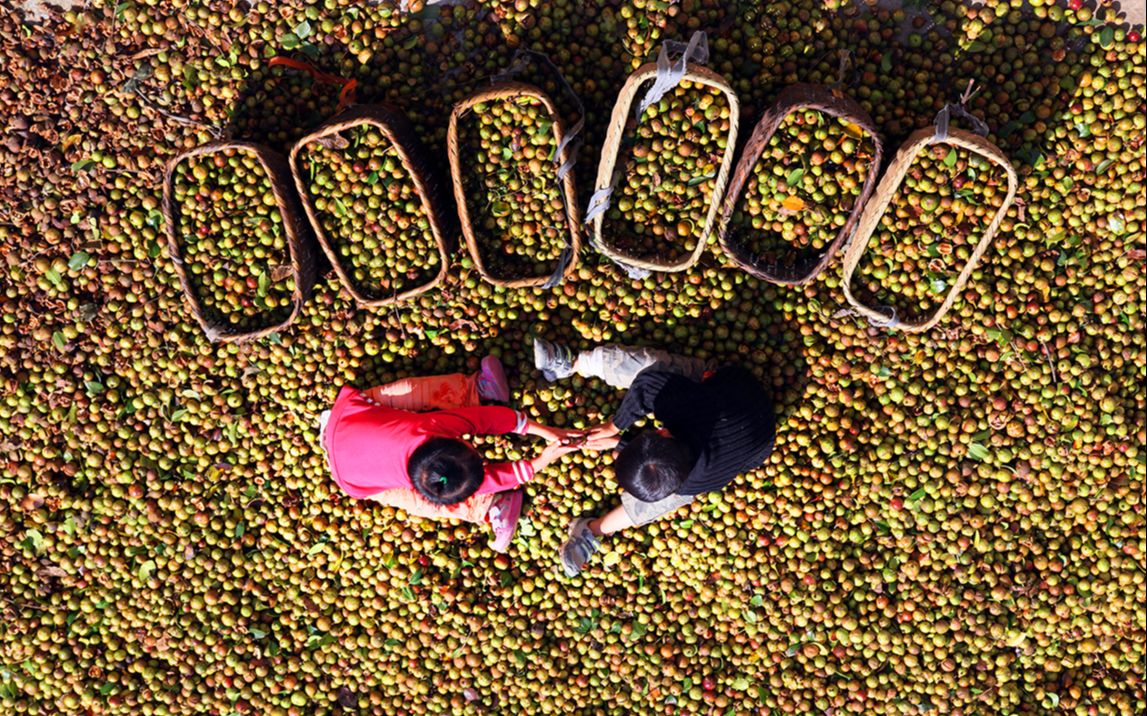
x,y
807,267
500,91
886,190
300,251
613,140
397,129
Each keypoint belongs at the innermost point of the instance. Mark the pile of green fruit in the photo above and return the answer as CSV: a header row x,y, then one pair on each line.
x,y
370,211
668,164
511,190
232,241
929,230
951,522
802,189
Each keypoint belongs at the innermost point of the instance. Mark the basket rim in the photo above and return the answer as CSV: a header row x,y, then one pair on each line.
x,y
501,90
392,123
889,184
266,157
612,144
791,99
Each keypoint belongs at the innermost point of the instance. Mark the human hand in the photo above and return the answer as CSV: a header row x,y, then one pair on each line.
x,y
602,431
551,453
559,435
600,443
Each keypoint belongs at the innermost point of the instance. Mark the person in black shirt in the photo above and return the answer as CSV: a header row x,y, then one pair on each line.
x,y
715,428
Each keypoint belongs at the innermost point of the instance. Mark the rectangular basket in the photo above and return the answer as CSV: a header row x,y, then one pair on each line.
x,y
301,252
612,145
794,98
507,90
398,130
886,190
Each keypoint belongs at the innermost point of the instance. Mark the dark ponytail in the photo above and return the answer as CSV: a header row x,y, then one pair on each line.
x,y
445,471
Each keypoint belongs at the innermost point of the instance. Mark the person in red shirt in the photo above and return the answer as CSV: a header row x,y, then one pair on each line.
x,y
402,444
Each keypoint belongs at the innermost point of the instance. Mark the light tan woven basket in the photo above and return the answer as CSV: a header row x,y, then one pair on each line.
x,y
397,129
300,251
499,91
889,183
791,99
613,138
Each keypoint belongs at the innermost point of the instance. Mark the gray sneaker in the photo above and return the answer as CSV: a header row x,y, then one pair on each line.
x,y
554,361
579,547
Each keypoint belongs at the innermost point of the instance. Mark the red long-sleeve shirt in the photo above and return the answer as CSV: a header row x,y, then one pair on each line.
x,y
369,445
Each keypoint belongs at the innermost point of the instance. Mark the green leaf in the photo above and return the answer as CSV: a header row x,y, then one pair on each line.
x,y
34,540
757,600
290,41
106,688
886,62
264,281
950,159
978,452
240,529
918,495
416,578
83,165
372,178
94,387
794,176
1084,129
686,524
882,526
257,633
59,341
190,77
79,260
701,179
69,526
687,684
1104,165
1106,36
55,279
146,570
507,153
153,250
303,30
315,548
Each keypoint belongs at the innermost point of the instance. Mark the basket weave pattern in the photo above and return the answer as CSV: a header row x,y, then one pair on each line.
x,y
886,190
613,141
792,99
301,253
398,131
502,91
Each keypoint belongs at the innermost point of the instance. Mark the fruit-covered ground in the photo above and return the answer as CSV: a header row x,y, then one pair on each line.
x,y
952,522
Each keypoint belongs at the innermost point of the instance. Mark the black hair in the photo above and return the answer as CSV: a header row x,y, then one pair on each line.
x,y
445,471
651,466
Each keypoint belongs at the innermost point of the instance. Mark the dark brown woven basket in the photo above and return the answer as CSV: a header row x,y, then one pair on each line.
x,y
398,130
300,250
793,98
507,90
